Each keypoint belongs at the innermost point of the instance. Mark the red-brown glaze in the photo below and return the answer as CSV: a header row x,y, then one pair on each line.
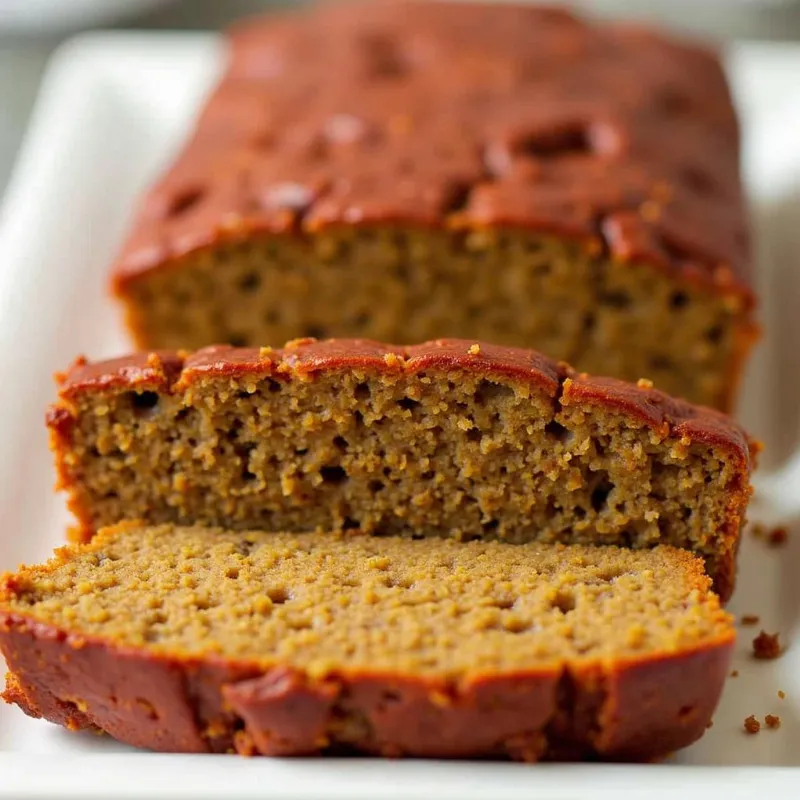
x,y
670,415
461,115
155,371
304,357
641,709
514,363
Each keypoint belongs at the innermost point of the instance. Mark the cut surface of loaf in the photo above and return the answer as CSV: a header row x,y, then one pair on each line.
x,y
195,640
448,438
404,171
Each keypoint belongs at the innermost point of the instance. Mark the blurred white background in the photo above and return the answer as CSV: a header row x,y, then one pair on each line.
x,y
31,29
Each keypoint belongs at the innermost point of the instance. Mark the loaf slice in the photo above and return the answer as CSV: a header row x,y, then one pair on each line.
x,y
197,640
446,438
405,171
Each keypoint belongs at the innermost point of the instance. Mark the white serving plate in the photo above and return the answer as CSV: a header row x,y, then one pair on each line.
x,y
112,109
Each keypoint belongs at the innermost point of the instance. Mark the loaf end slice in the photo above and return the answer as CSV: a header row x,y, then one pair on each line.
x,y
201,640
508,172
452,437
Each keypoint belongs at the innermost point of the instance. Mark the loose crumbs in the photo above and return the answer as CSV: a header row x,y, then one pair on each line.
x,y
735,673
777,537
766,645
781,694
750,619
752,725
772,721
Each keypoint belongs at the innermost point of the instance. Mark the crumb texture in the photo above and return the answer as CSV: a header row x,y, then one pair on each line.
x,y
199,640
433,440
321,601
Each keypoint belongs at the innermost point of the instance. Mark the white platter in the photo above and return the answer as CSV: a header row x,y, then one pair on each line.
x,y
111,111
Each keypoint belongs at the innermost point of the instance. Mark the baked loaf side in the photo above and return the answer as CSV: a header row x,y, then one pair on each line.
x,y
450,436
197,640
508,173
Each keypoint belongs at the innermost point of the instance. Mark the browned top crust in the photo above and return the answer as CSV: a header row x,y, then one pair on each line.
x,y
173,371
467,116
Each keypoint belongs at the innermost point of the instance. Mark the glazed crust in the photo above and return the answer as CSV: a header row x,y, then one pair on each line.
x,y
174,372
464,116
638,710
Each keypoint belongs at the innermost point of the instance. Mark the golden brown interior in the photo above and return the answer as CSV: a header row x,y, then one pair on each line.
x,y
404,285
325,602
435,453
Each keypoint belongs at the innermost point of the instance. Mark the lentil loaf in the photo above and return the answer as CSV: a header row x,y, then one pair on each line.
x,y
199,640
406,171
450,437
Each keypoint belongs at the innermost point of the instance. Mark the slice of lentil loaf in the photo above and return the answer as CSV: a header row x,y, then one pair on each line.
x,y
449,437
408,170
202,640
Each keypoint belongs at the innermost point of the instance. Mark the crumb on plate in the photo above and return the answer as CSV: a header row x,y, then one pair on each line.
x,y
777,537
766,645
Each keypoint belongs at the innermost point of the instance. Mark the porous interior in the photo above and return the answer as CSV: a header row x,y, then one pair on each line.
x,y
324,602
435,453
405,286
